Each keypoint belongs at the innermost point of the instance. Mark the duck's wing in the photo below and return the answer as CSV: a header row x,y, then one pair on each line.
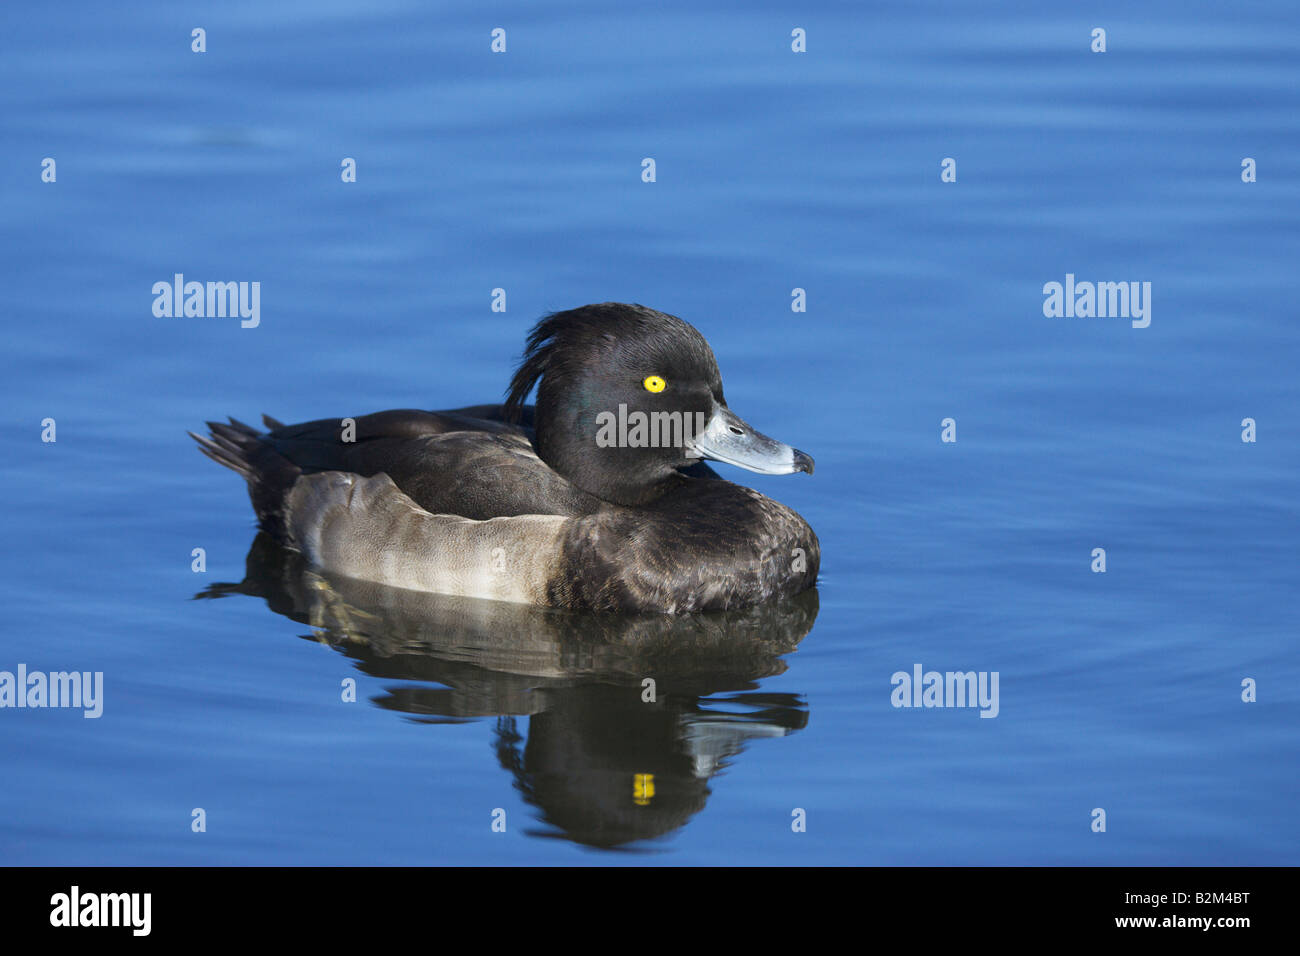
x,y
321,445
464,462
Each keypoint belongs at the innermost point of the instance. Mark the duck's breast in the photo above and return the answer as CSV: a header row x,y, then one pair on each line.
x,y
713,545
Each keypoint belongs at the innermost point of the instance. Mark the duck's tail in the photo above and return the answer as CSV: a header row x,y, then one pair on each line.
x,y
270,475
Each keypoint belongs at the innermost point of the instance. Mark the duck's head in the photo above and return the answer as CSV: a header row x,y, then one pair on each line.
x,y
626,396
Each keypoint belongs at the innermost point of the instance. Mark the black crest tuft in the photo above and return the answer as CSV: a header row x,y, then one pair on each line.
x,y
563,342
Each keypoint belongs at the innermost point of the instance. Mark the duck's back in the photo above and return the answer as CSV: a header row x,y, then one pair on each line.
x,y
467,462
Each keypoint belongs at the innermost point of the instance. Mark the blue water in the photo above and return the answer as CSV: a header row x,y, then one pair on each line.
x,y
775,170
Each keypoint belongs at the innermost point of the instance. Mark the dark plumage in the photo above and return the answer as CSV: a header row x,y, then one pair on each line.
x,y
534,504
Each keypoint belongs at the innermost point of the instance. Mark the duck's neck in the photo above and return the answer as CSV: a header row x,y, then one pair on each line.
x,y
609,477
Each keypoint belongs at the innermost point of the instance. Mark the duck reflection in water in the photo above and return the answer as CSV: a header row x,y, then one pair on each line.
x,y
621,743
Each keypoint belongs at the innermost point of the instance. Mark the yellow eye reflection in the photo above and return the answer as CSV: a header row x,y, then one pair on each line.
x,y
654,383
643,789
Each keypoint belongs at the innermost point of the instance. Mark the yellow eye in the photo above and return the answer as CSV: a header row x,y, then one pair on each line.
x,y
654,383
